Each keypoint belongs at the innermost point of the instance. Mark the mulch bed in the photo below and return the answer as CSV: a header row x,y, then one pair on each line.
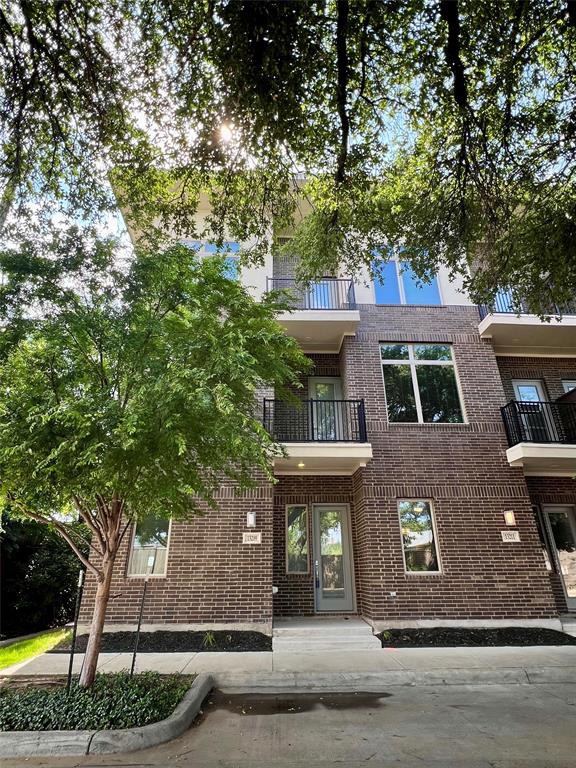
x,y
451,637
174,642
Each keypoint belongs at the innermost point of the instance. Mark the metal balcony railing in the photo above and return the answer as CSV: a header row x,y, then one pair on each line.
x,y
316,421
326,293
539,422
503,304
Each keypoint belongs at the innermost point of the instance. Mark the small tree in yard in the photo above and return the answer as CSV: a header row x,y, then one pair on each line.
x,y
134,395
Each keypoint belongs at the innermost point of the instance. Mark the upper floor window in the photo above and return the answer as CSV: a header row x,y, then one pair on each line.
x,y
396,283
420,383
229,250
568,386
149,548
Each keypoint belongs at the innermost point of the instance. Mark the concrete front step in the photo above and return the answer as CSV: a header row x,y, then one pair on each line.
x,y
323,634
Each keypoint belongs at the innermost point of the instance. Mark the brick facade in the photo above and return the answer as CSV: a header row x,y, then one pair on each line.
x,y
461,468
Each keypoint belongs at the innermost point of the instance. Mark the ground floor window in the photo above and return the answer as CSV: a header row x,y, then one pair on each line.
x,y
297,539
148,553
418,536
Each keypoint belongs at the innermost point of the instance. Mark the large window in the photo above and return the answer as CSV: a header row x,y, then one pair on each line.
x,y
420,383
149,548
396,283
418,537
297,539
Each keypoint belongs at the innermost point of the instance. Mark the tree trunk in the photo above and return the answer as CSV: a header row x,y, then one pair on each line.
x,y
97,626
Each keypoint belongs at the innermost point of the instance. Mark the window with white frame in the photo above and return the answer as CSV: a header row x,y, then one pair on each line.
x,y
149,547
297,539
420,383
569,385
418,536
395,282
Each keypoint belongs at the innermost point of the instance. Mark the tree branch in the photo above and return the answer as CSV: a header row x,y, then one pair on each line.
x,y
449,14
342,86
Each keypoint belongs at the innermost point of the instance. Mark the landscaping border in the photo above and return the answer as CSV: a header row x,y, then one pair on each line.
x,y
58,743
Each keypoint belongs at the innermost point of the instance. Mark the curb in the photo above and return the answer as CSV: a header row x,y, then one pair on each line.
x,y
58,743
345,682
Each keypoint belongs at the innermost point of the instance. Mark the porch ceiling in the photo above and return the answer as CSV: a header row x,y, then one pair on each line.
x,y
323,458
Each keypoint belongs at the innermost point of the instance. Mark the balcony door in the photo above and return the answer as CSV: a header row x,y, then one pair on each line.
x,y
325,412
535,415
333,579
561,524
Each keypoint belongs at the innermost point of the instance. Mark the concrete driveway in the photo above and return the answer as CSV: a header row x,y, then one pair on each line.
x,y
517,726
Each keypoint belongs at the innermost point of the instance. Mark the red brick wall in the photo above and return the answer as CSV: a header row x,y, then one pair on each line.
x,y
462,468
211,576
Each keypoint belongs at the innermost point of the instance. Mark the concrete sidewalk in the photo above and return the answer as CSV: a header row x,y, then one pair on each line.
x,y
340,670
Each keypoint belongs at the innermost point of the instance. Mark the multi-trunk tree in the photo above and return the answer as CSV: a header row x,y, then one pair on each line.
x,y
133,392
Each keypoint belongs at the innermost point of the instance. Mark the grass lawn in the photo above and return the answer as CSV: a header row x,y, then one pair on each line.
x,y
27,649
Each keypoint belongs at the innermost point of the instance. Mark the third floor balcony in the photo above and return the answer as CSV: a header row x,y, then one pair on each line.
x,y
515,330
322,312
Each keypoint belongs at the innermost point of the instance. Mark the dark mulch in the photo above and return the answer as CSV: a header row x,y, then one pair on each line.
x,y
174,642
438,637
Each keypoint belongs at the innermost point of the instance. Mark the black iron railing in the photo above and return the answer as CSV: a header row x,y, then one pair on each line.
x,y
539,422
326,293
504,304
317,421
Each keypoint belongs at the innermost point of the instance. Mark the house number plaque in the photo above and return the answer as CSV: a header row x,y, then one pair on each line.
x,y
510,535
252,537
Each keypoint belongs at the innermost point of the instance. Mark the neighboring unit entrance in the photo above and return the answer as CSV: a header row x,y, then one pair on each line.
x,y
332,558
561,522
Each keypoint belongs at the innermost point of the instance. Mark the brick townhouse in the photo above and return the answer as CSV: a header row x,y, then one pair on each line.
x,y
429,475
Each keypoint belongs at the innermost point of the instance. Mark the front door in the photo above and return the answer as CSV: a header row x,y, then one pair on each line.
x,y
332,557
535,414
561,522
326,408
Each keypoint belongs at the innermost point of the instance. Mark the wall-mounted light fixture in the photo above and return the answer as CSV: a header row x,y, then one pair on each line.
x,y
509,517
251,519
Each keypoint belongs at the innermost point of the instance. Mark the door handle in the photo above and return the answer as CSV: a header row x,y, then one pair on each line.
x,y
317,574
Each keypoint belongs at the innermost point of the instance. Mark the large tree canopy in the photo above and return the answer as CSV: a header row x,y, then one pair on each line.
x,y
443,127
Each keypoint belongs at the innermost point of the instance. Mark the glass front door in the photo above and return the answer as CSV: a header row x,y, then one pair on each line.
x,y
562,526
326,410
333,582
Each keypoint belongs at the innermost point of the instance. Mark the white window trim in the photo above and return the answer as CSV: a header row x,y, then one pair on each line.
x,y
568,385
413,362
401,292
440,571
131,549
307,511
538,384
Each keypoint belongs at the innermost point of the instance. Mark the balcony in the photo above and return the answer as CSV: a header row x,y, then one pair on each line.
x,y
320,437
541,436
524,333
323,312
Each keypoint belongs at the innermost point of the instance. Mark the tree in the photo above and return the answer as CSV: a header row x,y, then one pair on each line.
x,y
133,392
35,561
446,127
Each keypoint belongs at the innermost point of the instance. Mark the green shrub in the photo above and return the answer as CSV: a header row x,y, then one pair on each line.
x,y
113,701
